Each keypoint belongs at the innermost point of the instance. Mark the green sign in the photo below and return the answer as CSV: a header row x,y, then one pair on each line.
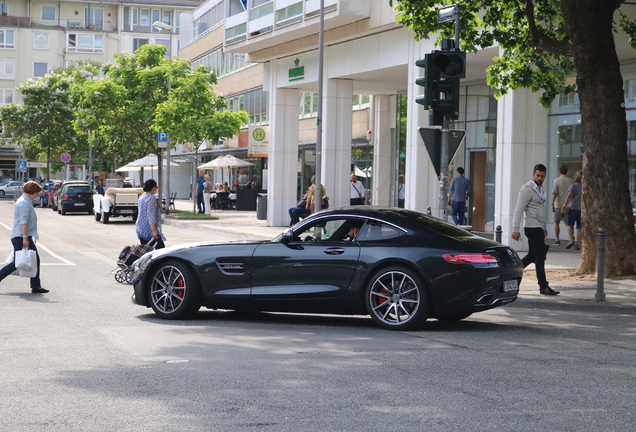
x,y
402,154
297,72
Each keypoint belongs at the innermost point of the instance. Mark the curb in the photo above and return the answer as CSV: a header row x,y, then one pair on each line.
x,y
574,306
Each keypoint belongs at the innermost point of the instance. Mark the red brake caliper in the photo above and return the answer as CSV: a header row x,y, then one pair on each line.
x,y
180,284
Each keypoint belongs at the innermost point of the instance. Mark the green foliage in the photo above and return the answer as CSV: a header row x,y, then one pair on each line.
x,y
536,53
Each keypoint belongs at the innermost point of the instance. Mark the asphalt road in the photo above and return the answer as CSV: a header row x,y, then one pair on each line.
x,y
83,358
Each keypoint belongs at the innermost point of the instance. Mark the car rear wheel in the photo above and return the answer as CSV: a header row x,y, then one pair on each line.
x,y
396,299
174,291
1,193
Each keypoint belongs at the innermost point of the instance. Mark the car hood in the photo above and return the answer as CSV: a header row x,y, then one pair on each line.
x,y
172,250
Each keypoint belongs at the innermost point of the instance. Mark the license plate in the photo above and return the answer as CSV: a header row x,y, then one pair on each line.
x,y
79,204
510,286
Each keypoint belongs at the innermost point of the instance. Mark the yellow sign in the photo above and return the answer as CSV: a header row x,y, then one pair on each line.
x,y
258,141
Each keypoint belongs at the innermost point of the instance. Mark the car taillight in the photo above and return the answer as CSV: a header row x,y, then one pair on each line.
x,y
65,197
91,195
470,258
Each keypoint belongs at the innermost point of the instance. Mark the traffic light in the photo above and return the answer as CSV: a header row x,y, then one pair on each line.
x,y
431,74
443,70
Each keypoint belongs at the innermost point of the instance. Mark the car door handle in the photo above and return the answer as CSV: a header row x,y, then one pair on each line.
x,y
334,251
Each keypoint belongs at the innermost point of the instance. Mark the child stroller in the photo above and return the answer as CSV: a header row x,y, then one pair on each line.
x,y
127,256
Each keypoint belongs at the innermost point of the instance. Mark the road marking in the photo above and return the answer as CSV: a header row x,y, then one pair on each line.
x,y
49,251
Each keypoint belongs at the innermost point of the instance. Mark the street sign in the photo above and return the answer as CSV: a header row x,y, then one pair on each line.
x,y
433,141
36,164
162,137
446,14
65,157
21,166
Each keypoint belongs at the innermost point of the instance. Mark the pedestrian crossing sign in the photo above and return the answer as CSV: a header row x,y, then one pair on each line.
x,y
21,166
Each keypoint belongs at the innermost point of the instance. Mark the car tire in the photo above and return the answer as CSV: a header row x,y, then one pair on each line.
x,y
105,217
2,193
174,291
98,216
396,299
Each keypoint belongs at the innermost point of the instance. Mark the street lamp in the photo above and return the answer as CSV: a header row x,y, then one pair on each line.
x,y
167,27
90,75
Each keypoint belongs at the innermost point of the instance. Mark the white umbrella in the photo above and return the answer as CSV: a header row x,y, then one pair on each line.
x,y
359,172
227,161
148,161
127,168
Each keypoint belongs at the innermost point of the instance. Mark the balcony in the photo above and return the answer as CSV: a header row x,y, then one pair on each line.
x,y
271,23
70,24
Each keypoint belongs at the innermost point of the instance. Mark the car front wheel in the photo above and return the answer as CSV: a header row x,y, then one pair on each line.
x,y
174,291
1,193
396,299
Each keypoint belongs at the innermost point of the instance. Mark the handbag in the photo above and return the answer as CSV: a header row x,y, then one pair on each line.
x,y
565,210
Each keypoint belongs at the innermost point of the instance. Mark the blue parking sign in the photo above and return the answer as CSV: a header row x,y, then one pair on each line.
x,y
21,166
162,137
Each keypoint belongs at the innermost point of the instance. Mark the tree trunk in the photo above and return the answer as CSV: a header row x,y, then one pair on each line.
x,y
606,198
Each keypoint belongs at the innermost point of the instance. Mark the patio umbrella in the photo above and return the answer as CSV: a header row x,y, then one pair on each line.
x,y
227,161
151,161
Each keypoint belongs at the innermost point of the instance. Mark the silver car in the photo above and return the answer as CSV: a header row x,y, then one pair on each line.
x,y
11,188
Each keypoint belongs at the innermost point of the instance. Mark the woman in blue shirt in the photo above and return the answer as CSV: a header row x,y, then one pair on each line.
x,y
25,232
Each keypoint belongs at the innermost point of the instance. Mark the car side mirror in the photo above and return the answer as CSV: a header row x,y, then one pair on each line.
x,y
288,236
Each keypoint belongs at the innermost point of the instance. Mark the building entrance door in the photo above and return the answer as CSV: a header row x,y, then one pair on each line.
x,y
478,175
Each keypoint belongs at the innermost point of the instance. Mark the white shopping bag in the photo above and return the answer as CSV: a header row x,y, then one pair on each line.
x,y
26,259
32,272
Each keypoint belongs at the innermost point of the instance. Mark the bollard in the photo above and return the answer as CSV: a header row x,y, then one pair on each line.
x,y
498,232
428,211
600,271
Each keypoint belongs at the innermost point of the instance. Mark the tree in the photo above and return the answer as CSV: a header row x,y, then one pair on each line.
x,y
44,119
544,42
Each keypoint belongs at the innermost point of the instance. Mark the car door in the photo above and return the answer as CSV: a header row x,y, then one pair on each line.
x,y
317,262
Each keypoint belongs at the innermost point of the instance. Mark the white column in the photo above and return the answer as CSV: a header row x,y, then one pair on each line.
x,y
521,144
283,153
336,140
383,150
421,182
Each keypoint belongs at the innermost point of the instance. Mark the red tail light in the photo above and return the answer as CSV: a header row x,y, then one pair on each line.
x,y
470,258
65,197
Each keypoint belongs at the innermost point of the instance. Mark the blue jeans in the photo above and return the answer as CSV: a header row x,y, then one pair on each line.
x,y
295,213
10,268
457,211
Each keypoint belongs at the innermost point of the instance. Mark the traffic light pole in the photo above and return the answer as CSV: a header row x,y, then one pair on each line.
x,y
443,168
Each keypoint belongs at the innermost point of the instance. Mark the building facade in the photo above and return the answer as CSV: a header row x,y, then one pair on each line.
x,y
37,36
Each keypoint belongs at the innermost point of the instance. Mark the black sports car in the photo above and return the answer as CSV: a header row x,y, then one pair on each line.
x,y
399,266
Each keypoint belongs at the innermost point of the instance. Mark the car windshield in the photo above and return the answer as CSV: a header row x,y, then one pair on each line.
x,y
79,189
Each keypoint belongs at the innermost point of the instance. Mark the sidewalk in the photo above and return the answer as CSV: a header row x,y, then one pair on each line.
x,y
620,294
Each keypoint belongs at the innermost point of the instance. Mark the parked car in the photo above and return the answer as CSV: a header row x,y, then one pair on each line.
x,y
42,199
56,194
398,266
11,188
52,189
75,197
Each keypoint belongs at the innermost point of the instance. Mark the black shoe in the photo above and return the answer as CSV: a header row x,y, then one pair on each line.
x,y
549,291
569,245
39,291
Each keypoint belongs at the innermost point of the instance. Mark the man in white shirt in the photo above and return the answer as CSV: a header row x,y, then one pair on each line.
x,y
356,196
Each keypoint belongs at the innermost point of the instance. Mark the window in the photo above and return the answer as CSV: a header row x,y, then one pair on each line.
x,y
235,31
135,16
308,105
144,19
84,42
233,62
48,13
40,41
7,68
177,19
4,9
166,43
138,42
94,18
254,102
167,15
374,231
289,12
40,69
261,8
155,17
7,39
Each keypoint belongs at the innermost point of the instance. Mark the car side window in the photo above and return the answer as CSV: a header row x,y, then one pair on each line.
x,y
374,230
323,230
